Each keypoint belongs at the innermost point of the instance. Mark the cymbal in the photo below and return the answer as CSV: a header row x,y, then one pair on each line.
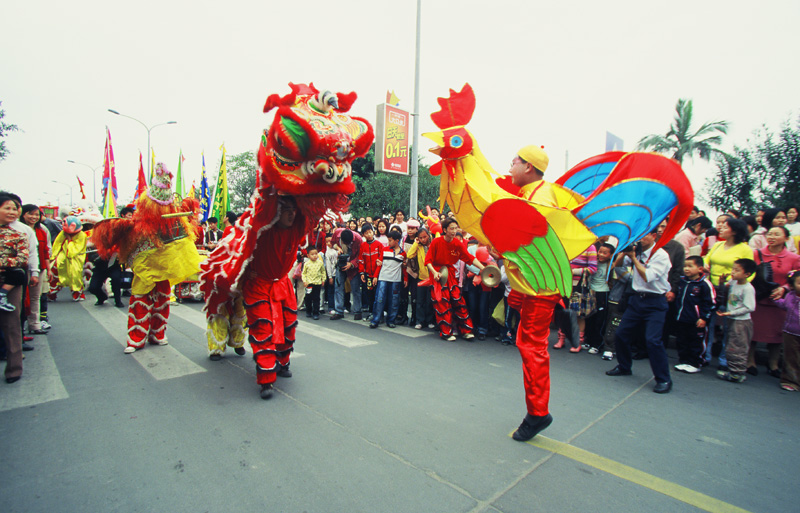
x,y
490,276
443,276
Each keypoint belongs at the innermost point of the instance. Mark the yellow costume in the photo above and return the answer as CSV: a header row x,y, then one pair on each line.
x,y
69,254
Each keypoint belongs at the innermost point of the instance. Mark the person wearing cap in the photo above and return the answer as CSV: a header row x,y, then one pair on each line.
x,y
536,311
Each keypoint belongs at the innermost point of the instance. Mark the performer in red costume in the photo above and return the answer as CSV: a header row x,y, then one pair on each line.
x,y
536,311
305,163
444,253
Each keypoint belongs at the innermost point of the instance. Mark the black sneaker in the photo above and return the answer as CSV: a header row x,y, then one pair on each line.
x,y
531,426
239,350
266,391
357,317
215,357
284,372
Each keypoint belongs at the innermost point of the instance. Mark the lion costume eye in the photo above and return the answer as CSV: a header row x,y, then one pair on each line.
x,y
456,141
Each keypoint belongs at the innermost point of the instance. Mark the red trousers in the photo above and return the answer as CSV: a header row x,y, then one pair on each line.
x,y
148,315
447,302
536,312
271,318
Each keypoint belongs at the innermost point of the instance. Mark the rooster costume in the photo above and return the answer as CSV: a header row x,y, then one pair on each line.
x,y
305,167
538,227
158,246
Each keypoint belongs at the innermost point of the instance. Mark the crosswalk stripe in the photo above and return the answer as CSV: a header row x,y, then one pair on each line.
x,y
162,362
305,327
46,385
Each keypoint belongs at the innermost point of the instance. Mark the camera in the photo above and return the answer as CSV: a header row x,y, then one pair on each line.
x,y
343,261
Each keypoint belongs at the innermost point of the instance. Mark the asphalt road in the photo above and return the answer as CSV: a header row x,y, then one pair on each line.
x,y
374,421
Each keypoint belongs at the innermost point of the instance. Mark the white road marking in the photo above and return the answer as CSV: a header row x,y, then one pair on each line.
x,y
40,383
198,319
162,362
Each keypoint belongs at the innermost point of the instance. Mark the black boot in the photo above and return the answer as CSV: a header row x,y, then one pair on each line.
x,y
531,426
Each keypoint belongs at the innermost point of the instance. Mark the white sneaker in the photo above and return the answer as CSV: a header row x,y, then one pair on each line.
x,y
451,338
593,350
431,326
688,369
418,327
607,355
129,350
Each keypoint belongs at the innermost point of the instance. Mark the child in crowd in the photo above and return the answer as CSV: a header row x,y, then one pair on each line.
x,y
331,257
790,376
741,303
695,306
370,265
14,253
595,324
314,276
390,280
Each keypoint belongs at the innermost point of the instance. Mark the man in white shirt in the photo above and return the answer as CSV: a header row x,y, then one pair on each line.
x,y
647,306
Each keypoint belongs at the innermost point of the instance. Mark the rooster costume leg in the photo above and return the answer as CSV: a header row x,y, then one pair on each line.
x,y
532,334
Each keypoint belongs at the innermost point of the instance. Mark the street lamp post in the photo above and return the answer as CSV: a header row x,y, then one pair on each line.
x,y
149,162
70,190
94,177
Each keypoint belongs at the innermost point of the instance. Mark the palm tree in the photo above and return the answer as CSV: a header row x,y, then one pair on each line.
x,y
681,142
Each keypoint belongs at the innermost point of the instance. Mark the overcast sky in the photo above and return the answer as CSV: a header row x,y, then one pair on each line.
x,y
553,73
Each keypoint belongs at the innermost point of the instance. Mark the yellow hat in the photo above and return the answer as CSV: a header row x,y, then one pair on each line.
x,y
535,156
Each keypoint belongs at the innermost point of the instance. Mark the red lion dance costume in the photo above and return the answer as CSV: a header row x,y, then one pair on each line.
x,y
305,161
158,245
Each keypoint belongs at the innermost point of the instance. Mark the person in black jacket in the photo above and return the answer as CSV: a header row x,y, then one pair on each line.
x,y
695,305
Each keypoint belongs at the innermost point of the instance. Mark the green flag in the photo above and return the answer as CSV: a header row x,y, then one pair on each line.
x,y
222,201
179,179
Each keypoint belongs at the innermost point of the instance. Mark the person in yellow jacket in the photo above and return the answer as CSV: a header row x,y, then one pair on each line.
x,y
69,255
416,259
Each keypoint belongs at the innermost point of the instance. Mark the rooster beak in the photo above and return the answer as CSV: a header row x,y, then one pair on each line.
x,y
438,138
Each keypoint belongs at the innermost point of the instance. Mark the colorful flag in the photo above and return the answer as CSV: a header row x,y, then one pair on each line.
x,y
80,184
193,191
204,194
109,205
222,201
141,182
179,178
109,175
152,164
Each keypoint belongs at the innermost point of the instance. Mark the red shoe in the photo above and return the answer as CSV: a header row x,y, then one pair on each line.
x,y
561,338
26,338
575,349
76,296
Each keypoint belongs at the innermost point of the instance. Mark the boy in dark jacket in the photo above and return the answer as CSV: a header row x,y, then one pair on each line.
x,y
695,305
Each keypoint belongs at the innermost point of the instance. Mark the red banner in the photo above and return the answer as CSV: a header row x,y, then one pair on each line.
x,y
391,143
